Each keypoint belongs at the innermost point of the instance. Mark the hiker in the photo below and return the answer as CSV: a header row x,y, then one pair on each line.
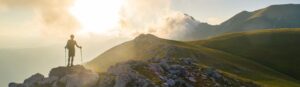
x,y
71,48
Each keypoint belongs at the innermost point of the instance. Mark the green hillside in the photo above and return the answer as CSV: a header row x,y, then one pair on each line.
x,y
274,16
278,49
252,62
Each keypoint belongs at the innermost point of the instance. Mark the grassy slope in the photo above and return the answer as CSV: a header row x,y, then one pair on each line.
x,y
231,63
248,69
139,48
276,49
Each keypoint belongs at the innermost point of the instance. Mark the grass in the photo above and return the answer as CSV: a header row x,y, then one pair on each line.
x,y
276,49
266,57
248,69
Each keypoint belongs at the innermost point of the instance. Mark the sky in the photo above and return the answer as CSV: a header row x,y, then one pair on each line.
x,y
97,24
37,20
53,20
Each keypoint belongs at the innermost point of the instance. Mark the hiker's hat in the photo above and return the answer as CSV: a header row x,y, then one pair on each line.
x,y
72,35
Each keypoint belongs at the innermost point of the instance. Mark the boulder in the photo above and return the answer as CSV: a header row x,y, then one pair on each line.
x,y
15,85
76,76
33,80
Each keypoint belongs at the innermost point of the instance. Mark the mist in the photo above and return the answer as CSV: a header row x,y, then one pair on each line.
x,y
51,16
158,18
35,43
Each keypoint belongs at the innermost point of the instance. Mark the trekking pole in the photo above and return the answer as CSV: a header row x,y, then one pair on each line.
x,y
81,54
65,56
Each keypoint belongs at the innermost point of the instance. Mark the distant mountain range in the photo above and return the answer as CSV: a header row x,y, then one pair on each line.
x,y
275,16
272,17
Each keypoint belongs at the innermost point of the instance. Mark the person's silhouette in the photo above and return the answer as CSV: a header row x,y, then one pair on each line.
x,y
71,48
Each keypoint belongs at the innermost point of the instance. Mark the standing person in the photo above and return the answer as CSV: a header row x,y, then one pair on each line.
x,y
71,48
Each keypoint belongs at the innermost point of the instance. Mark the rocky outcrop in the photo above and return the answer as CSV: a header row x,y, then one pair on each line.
x,y
122,75
167,72
76,76
154,72
184,72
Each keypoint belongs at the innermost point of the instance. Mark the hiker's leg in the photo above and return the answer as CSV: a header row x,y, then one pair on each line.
x,y
72,54
69,58
72,60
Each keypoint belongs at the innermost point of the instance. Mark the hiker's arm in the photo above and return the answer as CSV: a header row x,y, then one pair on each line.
x,y
67,44
77,45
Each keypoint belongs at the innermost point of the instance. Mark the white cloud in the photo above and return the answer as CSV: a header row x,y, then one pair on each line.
x,y
50,16
156,17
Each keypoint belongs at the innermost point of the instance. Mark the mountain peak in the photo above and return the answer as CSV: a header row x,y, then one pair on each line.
x,y
146,37
283,6
277,10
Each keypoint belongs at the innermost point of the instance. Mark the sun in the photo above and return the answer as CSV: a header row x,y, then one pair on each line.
x,y
98,16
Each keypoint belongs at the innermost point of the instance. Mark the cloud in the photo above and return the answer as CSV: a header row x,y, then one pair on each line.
x,y
53,19
136,15
156,17
51,16
177,26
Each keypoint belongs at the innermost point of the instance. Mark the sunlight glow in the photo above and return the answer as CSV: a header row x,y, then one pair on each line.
x,y
97,16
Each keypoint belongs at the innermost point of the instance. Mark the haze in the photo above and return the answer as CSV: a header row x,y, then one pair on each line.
x,y
34,32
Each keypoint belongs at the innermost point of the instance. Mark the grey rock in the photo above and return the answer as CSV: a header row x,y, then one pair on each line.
x,y
33,80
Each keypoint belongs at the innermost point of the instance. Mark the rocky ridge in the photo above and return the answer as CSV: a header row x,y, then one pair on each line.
x,y
154,72
76,76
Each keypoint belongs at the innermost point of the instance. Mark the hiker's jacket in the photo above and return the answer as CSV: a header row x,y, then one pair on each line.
x,y
71,45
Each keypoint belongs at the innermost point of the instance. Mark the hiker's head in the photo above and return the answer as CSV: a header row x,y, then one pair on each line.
x,y
72,36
